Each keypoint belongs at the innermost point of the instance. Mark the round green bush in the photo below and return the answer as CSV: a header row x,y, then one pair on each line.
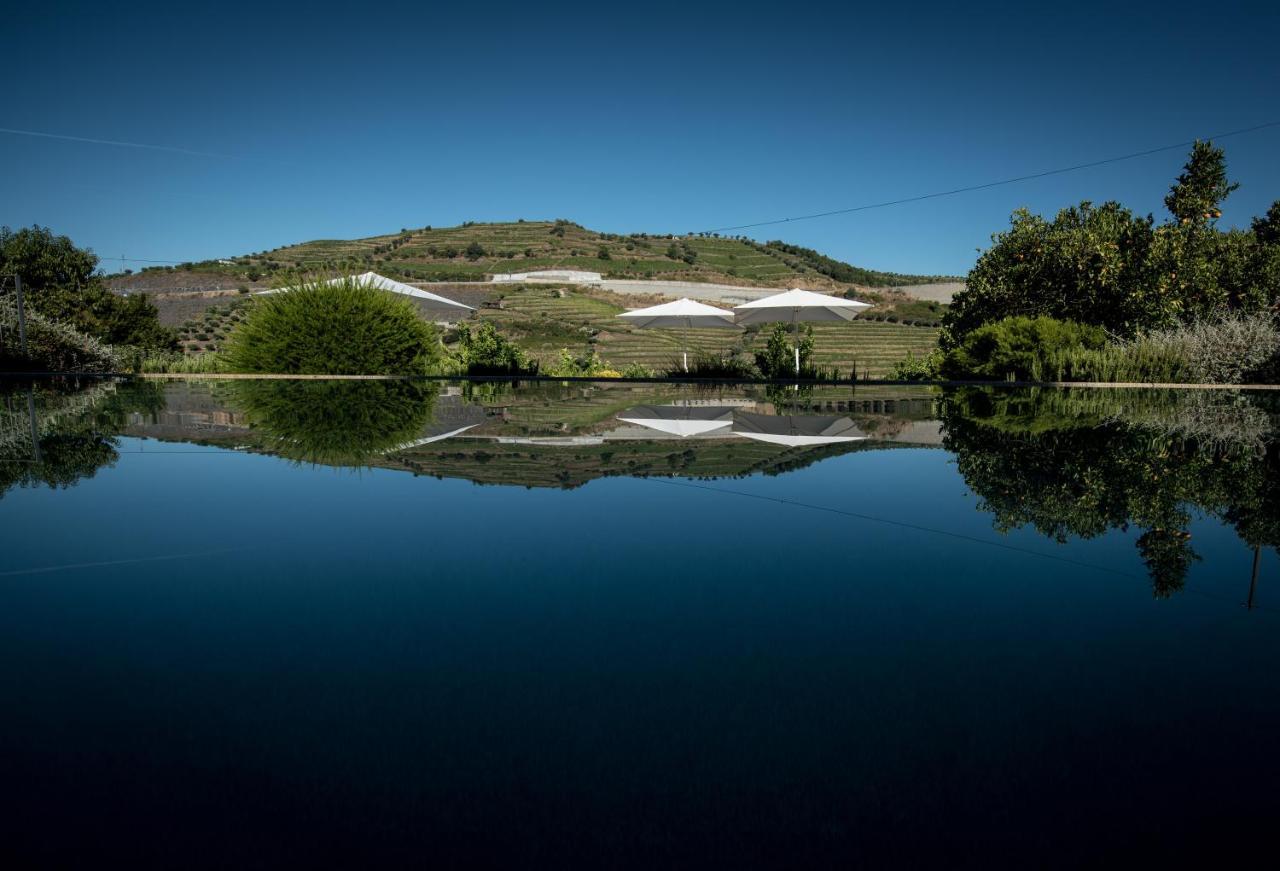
x,y
343,328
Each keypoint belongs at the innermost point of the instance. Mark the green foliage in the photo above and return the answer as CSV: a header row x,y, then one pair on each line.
x,y
1016,348
475,251
340,328
915,368
604,254
1104,266
587,365
342,423
188,364
705,364
1078,463
53,345
75,430
841,271
1091,265
778,359
1196,197
482,350
59,281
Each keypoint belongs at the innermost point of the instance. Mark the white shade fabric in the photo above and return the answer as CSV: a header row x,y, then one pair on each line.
x,y
680,420
686,313
798,306
794,431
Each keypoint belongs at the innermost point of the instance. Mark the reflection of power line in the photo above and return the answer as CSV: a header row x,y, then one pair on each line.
x,y
902,524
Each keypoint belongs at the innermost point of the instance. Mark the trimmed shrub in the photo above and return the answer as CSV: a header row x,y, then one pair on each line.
x,y
1018,348
344,328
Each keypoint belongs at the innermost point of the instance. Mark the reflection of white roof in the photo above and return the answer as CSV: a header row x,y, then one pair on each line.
x,y
679,420
681,313
373,279
434,437
796,430
800,305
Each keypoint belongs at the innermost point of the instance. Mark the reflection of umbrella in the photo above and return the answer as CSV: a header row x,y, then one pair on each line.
x,y
373,279
796,430
680,420
682,313
797,306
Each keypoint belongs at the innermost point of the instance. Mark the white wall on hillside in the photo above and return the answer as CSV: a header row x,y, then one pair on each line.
x,y
574,276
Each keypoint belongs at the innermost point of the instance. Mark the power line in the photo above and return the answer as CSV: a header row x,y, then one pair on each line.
x,y
114,142
992,184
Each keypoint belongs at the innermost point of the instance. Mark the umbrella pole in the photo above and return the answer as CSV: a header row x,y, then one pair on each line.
x,y
684,350
795,341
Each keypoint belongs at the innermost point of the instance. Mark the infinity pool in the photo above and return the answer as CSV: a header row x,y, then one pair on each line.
x,y
284,624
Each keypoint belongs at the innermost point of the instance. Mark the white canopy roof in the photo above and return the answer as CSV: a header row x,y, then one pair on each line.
x,y
685,313
373,279
798,306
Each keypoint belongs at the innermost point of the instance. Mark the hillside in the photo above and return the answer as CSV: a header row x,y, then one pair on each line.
x,y
473,251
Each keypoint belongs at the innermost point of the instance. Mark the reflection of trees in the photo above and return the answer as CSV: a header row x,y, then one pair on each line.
x,y
56,434
339,423
1073,463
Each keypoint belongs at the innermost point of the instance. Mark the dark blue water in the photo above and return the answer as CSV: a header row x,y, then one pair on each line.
x,y
218,655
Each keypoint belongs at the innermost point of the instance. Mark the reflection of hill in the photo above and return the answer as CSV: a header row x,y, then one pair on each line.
x,y
547,434
568,466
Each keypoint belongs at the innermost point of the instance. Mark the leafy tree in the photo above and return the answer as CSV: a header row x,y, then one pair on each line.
x,y
1196,197
475,251
1104,266
778,360
482,350
1090,264
60,281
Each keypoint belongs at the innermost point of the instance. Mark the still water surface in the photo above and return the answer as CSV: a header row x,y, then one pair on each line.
x,y
289,624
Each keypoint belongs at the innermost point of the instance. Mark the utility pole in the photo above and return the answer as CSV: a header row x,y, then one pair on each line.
x,y
22,315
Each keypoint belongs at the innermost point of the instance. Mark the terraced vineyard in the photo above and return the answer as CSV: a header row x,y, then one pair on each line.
x,y
543,320
473,251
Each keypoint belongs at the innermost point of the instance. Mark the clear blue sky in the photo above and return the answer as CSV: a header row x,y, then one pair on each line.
x,y
362,119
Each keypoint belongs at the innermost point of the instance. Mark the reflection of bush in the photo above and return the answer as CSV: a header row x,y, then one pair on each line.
x,y
343,423
1078,463
75,430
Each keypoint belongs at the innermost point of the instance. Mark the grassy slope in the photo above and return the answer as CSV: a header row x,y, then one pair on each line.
x,y
529,245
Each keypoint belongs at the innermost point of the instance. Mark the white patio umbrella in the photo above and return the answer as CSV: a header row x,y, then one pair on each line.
x,y
796,430
684,313
373,279
798,306
680,420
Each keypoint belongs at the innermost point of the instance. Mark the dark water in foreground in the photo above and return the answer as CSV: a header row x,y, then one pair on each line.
x,y
280,625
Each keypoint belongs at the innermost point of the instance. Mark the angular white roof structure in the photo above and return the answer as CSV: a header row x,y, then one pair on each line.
x,y
373,279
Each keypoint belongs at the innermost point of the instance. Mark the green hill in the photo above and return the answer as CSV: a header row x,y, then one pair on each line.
x,y
473,250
